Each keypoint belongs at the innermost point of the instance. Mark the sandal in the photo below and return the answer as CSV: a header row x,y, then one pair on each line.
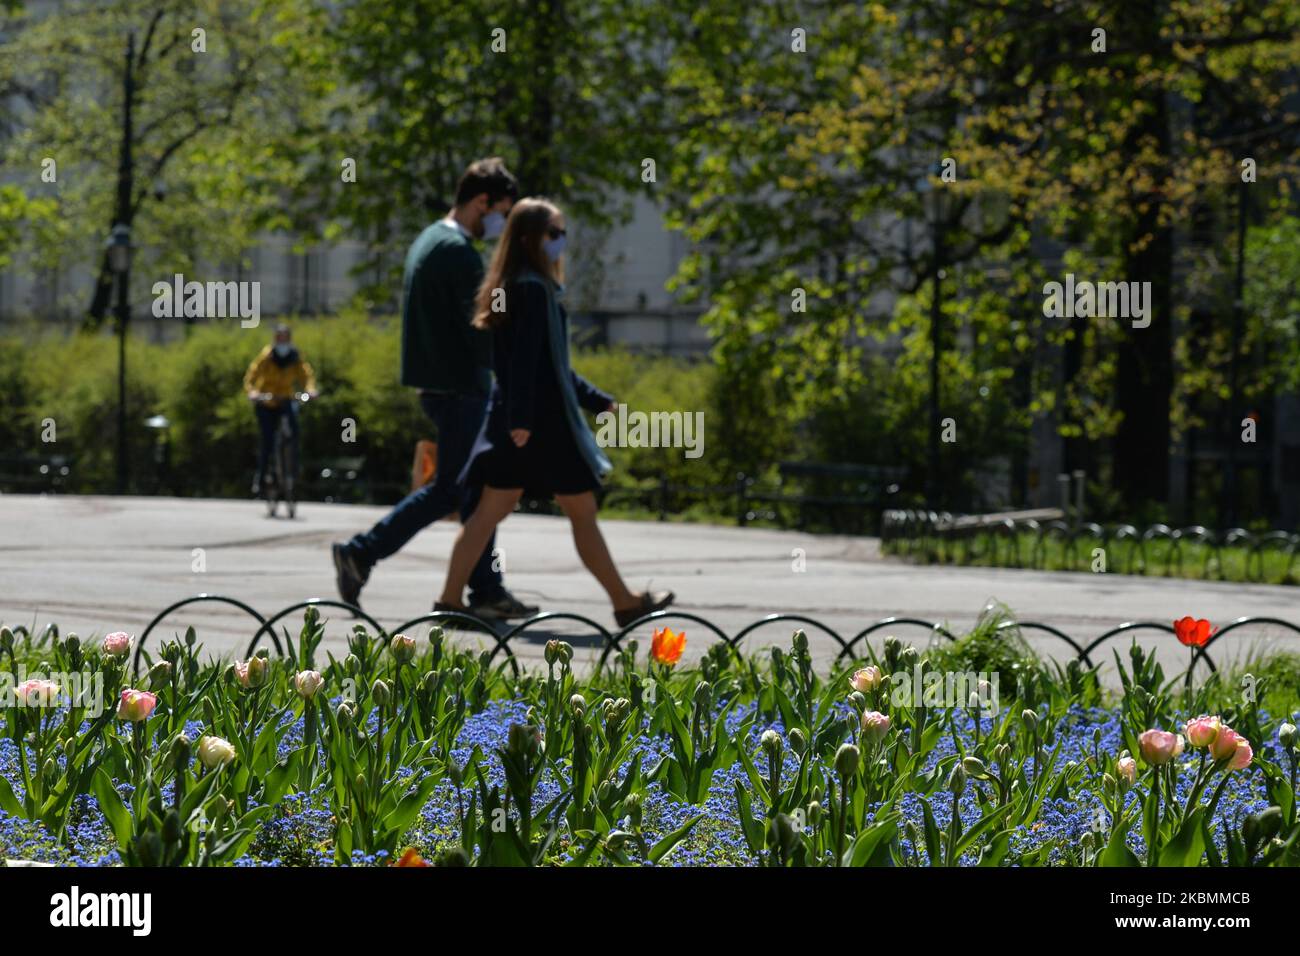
x,y
651,601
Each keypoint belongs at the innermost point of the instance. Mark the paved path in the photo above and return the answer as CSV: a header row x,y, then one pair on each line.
x,y
95,564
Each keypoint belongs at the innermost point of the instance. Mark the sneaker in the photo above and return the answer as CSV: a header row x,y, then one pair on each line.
x,y
651,601
349,575
501,607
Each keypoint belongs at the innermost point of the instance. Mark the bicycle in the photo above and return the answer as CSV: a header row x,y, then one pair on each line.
x,y
282,469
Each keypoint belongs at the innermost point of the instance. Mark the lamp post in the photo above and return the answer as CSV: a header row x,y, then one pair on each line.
x,y
119,253
1234,375
119,262
934,207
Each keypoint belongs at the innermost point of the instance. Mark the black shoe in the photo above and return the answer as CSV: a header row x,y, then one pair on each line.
x,y
502,607
650,602
350,577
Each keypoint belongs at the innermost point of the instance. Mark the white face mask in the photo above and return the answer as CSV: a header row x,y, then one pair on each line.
x,y
283,348
494,223
554,248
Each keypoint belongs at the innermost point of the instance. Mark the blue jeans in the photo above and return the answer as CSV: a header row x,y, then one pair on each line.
x,y
268,420
459,419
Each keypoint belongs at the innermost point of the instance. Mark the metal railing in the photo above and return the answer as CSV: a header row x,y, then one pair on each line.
x,y
613,640
950,538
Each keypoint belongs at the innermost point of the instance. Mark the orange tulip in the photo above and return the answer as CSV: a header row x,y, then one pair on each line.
x,y
666,647
1193,633
411,858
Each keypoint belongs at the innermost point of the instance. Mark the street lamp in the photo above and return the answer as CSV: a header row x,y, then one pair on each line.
x,y
932,200
119,263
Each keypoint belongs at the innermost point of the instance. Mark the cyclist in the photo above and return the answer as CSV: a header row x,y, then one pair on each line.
x,y
276,376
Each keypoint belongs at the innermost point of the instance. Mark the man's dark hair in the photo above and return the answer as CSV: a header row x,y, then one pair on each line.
x,y
487,176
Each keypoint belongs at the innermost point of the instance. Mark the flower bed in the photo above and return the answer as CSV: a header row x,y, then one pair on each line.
x,y
409,752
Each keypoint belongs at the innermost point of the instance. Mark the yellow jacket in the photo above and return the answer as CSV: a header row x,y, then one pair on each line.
x,y
282,381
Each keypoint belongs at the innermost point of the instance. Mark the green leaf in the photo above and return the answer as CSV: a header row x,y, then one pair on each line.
x,y
9,801
664,846
871,848
114,810
1188,844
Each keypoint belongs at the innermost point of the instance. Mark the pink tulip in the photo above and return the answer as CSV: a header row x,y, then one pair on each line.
x,y
1127,768
876,725
308,684
866,679
136,705
1243,756
1224,744
1202,731
37,693
1158,747
116,645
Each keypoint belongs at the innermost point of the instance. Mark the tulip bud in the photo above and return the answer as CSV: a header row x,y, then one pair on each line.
x,y
891,646
1126,770
452,857
523,740
1259,828
6,640
402,647
772,745
800,642
957,780
1286,736
564,653
346,714
578,704
552,652
847,759
814,814
160,673
783,833
182,753
259,671
381,693
857,701
616,839
703,695
798,742
1030,719
908,657
172,831
436,638
974,767
457,677
352,664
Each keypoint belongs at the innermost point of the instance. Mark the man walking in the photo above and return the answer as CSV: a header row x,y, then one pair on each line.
x,y
450,362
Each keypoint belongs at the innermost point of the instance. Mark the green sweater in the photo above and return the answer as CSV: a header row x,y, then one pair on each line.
x,y
441,351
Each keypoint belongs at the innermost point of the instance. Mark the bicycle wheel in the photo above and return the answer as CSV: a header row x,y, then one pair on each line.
x,y
285,467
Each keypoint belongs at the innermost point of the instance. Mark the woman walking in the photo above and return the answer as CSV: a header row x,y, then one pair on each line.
x,y
536,438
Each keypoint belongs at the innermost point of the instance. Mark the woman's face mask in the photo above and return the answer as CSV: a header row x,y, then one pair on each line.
x,y
554,248
493,224
283,348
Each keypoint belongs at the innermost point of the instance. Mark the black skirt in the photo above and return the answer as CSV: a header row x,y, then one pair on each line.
x,y
549,464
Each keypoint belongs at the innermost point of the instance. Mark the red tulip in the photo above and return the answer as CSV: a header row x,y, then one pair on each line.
x,y
1193,633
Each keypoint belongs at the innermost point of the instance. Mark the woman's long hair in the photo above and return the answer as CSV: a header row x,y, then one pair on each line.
x,y
519,248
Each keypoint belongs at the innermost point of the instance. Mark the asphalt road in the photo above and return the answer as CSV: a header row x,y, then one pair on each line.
x,y
97,564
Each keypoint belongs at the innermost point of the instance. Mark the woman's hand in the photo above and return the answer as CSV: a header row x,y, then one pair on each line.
x,y
520,436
